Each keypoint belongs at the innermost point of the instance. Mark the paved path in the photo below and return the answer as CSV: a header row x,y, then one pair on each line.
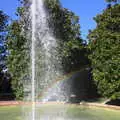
x,y
9,103
100,105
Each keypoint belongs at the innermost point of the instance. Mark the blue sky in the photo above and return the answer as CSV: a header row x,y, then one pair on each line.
x,y
86,9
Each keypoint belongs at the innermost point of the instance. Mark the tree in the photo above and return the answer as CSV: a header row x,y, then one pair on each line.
x,y
109,1
3,51
105,54
66,28
3,30
18,58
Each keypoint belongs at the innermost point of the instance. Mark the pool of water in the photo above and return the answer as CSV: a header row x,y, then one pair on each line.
x,y
61,112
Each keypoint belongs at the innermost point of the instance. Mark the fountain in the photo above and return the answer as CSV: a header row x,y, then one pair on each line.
x,y
45,81
45,62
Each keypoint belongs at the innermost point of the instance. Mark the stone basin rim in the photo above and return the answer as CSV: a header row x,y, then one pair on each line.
x,y
87,104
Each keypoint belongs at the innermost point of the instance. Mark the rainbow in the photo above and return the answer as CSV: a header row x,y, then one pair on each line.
x,y
61,78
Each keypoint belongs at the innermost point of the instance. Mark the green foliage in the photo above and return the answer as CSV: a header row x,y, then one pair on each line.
x,y
111,1
3,53
3,21
3,30
18,58
64,22
105,52
66,28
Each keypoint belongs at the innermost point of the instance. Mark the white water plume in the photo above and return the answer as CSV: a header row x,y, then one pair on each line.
x,y
45,62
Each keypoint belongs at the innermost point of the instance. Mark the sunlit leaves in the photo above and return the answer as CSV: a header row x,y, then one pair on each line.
x,y
66,28
105,54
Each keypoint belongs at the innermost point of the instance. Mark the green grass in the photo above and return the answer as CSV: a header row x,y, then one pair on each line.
x,y
62,112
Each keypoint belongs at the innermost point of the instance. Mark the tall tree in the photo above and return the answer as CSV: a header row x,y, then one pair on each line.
x,y
65,25
109,1
3,51
3,30
18,58
66,28
105,54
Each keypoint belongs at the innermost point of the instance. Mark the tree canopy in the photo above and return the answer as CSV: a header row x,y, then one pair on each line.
x,y
66,29
105,54
18,58
3,50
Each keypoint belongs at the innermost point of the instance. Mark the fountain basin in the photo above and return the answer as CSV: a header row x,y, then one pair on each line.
x,y
61,111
